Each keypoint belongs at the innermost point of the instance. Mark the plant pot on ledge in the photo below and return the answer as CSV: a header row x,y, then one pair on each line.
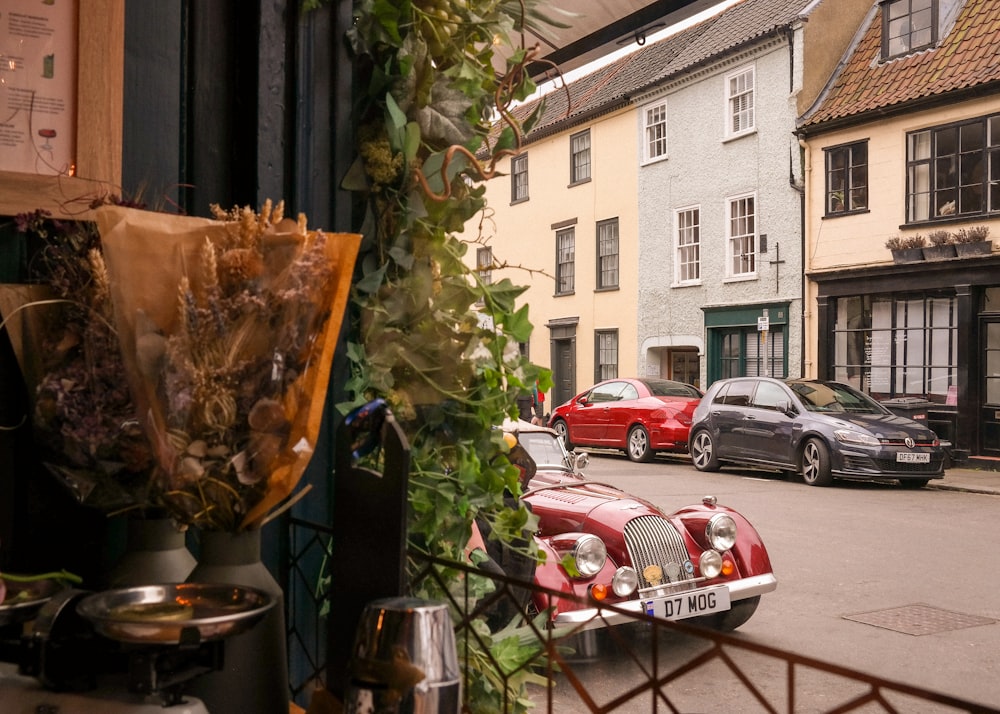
x,y
968,250
907,255
939,252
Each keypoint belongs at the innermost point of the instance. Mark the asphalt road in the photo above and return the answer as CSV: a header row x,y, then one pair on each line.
x,y
922,565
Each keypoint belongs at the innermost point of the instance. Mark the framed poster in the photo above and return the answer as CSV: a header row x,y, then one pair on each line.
x,y
60,104
38,87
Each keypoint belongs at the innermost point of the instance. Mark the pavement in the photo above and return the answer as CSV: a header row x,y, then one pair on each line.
x,y
973,476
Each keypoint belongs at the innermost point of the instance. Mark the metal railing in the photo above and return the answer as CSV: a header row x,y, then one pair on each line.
x,y
653,673
654,665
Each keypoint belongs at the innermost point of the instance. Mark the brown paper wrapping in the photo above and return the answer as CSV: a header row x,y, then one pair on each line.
x,y
150,257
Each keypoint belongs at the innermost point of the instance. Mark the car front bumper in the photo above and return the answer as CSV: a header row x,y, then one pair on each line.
x,y
630,610
861,464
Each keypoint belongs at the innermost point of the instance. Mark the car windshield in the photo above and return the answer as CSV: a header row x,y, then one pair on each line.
x,y
827,397
546,449
667,388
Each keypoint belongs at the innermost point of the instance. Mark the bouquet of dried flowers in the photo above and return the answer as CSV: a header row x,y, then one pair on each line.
x,y
61,328
227,328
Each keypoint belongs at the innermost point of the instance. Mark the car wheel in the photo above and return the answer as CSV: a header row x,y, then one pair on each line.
x,y
637,446
913,482
703,452
815,463
737,615
562,429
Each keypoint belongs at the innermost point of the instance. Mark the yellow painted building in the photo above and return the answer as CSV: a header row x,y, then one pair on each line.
x,y
563,223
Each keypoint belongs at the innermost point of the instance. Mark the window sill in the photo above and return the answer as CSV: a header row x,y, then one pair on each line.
x,y
519,200
654,160
608,289
686,284
841,214
571,184
734,137
740,278
948,220
565,294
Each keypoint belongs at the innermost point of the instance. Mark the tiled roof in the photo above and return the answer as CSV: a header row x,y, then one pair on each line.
x,y
969,56
614,84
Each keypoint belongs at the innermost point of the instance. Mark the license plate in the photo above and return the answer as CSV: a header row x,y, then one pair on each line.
x,y
910,457
690,603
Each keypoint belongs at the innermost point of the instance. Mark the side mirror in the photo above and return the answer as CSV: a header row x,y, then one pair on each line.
x,y
581,459
786,408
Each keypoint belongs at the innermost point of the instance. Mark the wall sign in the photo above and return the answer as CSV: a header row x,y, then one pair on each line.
x,y
38,86
95,119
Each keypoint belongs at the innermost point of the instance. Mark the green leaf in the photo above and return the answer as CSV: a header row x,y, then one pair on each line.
x,y
403,257
569,565
411,142
536,114
355,179
506,141
442,121
372,281
519,326
396,115
502,295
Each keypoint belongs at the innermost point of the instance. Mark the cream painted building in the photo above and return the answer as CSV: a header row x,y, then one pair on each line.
x,y
905,142
562,222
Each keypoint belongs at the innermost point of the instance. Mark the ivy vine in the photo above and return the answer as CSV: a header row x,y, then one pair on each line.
x,y
433,338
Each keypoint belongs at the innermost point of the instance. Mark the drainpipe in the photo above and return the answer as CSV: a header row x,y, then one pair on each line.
x,y
806,171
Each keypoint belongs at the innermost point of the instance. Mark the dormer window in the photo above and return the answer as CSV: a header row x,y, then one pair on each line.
x,y
908,26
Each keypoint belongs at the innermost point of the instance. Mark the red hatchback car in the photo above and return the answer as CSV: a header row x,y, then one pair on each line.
x,y
640,416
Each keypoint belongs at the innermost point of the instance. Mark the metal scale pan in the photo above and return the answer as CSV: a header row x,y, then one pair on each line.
x,y
23,600
184,613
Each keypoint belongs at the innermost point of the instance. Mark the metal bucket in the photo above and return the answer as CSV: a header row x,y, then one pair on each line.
x,y
404,660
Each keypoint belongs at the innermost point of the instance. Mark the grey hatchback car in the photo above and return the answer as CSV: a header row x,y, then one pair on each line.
x,y
818,429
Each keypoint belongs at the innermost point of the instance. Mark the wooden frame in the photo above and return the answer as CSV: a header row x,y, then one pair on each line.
x,y
100,65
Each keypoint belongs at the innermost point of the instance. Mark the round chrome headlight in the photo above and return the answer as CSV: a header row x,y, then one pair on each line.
x,y
721,531
710,563
625,581
589,554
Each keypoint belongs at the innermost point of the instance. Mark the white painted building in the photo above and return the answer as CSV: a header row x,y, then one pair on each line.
x,y
720,194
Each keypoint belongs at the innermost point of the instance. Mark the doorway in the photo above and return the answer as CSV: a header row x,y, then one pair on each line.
x,y
989,409
684,366
563,371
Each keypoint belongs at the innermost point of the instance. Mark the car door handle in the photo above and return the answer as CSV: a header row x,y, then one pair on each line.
x,y
750,417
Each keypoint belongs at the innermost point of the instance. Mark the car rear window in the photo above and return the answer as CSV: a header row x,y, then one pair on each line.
x,y
666,388
736,394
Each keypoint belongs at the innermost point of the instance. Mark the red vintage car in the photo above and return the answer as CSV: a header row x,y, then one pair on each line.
x,y
702,561
640,416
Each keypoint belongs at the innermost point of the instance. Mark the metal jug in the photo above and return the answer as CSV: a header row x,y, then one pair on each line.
x,y
404,660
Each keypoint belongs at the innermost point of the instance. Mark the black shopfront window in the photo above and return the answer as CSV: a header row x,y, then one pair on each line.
x,y
895,346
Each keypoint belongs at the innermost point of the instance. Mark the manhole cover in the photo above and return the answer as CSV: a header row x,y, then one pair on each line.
x,y
919,619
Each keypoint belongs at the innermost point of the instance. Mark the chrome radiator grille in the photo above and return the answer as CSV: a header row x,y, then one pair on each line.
x,y
652,540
